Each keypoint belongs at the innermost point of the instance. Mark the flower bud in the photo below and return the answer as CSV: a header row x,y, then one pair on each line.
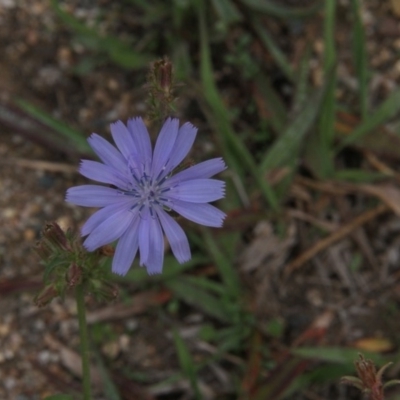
x,y
107,250
369,380
45,296
43,250
55,235
74,275
107,291
163,74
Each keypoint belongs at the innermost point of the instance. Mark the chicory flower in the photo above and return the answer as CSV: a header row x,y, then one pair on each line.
x,y
143,189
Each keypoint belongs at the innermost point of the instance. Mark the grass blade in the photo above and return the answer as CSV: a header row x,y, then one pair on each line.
x,y
337,354
74,137
187,364
273,8
110,390
274,50
120,52
198,297
386,110
274,104
235,151
23,123
302,89
287,147
224,265
172,268
360,57
359,176
227,11
207,284
327,118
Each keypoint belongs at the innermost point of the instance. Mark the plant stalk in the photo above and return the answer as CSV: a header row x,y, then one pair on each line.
x,y
83,334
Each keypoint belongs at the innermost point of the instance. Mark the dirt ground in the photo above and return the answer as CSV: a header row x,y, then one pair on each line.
x,y
39,346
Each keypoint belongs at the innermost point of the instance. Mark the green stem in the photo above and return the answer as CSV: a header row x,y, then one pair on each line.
x,y
83,333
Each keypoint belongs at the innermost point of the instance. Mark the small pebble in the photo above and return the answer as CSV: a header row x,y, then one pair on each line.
x,y
9,213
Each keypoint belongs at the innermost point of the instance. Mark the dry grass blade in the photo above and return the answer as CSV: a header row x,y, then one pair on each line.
x,y
334,237
303,216
139,304
389,194
41,165
288,366
70,359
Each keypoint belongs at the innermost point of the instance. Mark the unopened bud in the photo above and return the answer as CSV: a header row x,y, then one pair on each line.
x,y
43,250
55,235
107,291
74,275
161,87
163,74
369,380
45,296
107,250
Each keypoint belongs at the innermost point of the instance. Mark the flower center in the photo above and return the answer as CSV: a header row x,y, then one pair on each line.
x,y
147,192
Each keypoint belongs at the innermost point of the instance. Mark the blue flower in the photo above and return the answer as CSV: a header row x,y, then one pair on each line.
x,y
134,209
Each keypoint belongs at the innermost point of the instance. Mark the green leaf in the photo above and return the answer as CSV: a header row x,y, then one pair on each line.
x,y
187,364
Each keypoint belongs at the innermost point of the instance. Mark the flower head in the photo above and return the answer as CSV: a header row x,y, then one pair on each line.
x,y
134,209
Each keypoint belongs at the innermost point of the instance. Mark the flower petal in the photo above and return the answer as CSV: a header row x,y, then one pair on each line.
x,y
101,215
183,144
144,240
141,138
107,152
197,190
176,236
126,249
109,230
103,173
164,145
203,214
155,259
123,139
203,170
93,196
